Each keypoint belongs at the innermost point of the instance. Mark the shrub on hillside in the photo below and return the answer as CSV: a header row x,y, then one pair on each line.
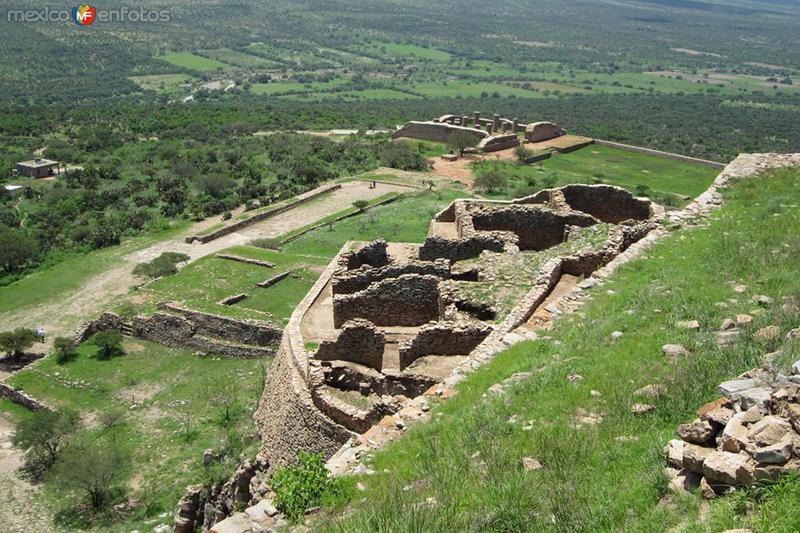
x,y
65,349
401,155
267,243
163,265
14,343
109,344
42,436
302,486
491,180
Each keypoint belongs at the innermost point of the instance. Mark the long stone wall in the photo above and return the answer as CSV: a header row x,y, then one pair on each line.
x,y
435,131
459,249
180,332
350,281
659,153
410,300
239,330
236,226
20,398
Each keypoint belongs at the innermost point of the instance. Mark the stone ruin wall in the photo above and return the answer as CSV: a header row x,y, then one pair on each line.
x,y
436,132
410,300
388,383
350,281
460,249
359,342
443,338
373,254
241,330
536,228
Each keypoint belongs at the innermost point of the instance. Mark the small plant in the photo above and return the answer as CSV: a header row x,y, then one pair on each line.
x,y
268,243
598,178
227,215
109,344
643,190
65,349
302,486
164,265
360,204
523,154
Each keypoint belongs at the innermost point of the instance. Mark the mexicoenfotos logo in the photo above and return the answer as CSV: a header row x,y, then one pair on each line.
x,y
84,15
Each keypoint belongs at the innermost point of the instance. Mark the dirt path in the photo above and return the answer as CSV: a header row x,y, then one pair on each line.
x,y
21,510
461,169
63,316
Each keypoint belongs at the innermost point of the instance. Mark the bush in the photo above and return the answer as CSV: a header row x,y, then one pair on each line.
x,y
360,204
164,265
403,156
93,467
491,180
43,436
459,141
303,485
523,154
65,349
109,344
267,243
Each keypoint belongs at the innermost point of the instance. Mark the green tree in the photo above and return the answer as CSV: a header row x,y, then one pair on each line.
x,y
43,436
491,180
109,344
460,140
17,249
360,204
16,342
92,466
65,349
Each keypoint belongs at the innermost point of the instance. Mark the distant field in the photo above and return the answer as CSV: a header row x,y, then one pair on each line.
x,y
193,62
240,59
405,50
165,83
293,86
467,89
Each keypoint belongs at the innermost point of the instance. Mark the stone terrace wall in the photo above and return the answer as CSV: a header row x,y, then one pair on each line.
x,y
443,338
180,332
607,203
106,321
536,228
237,330
460,249
437,132
351,281
358,342
410,300
20,398
498,142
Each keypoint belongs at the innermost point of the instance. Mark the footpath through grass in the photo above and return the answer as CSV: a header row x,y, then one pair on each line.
x,y
464,470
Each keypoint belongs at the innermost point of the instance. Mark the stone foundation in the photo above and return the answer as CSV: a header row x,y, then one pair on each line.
x,y
443,338
359,342
410,300
350,281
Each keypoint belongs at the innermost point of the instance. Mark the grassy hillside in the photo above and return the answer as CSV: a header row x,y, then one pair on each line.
x,y
464,471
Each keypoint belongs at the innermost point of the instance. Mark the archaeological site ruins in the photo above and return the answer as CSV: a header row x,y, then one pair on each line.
x,y
489,135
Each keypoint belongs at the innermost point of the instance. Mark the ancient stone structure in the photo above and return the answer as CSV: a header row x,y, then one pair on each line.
x,y
409,300
359,342
543,131
443,338
489,135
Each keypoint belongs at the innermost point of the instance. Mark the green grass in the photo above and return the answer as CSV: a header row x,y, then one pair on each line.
x,y
467,89
162,83
470,457
240,59
280,299
283,87
205,282
405,220
617,167
164,384
386,49
193,62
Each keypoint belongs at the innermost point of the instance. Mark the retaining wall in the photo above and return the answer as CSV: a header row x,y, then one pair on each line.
x,y
358,342
301,199
351,281
410,300
659,153
20,398
240,330
436,131
443,338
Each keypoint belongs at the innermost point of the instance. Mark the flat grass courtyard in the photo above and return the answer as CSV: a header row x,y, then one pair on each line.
x,y
669,179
